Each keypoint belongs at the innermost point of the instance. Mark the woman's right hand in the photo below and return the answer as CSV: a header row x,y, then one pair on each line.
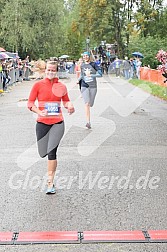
x,y
42,112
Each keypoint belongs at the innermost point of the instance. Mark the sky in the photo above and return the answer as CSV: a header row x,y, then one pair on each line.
x,y
165,2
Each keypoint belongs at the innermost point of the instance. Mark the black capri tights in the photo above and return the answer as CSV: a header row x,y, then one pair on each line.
x,y
48,139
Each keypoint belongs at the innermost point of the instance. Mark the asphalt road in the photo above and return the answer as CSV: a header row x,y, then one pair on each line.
x,y
112,177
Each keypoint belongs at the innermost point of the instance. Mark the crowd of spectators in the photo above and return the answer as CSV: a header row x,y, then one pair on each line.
x,y
127,68
13,70
107,58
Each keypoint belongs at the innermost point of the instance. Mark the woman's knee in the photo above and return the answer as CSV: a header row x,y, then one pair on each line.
x,y
87,104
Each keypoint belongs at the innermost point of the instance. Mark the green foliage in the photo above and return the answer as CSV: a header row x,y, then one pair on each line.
x,y
153,89
149,47
146,15
101,20
159,26
43,28
32,27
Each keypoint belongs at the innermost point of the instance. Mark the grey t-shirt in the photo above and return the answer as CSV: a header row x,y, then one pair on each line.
x,y
91,80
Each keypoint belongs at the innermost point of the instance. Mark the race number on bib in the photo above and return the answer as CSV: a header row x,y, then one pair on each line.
x,y
88,79
53,108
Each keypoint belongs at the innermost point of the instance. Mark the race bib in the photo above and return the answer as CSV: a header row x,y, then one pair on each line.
x,y
53,108
88,79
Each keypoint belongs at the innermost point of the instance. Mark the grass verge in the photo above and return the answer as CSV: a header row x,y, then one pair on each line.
x,y
150,87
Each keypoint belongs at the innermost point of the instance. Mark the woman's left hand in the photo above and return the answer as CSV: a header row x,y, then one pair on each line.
x,y
70,108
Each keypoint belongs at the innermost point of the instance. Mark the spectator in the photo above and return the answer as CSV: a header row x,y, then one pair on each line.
x,y
138,65
97,61
126,68
26,69
20,66
5,76
117,64
0,72
132,68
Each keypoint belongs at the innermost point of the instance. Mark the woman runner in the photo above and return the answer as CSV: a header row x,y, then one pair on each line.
x,y
49,93
89,72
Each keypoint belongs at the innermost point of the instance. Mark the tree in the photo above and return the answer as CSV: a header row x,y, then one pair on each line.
x,y
44,29
148,47
33,27
147,13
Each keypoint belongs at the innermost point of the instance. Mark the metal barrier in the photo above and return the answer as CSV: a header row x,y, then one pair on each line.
x,y
14,75
63,74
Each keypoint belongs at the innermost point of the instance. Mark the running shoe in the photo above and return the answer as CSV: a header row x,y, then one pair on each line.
x,y
51,190
88,125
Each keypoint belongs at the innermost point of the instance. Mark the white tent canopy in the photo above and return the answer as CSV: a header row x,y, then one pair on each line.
x,y
64,56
